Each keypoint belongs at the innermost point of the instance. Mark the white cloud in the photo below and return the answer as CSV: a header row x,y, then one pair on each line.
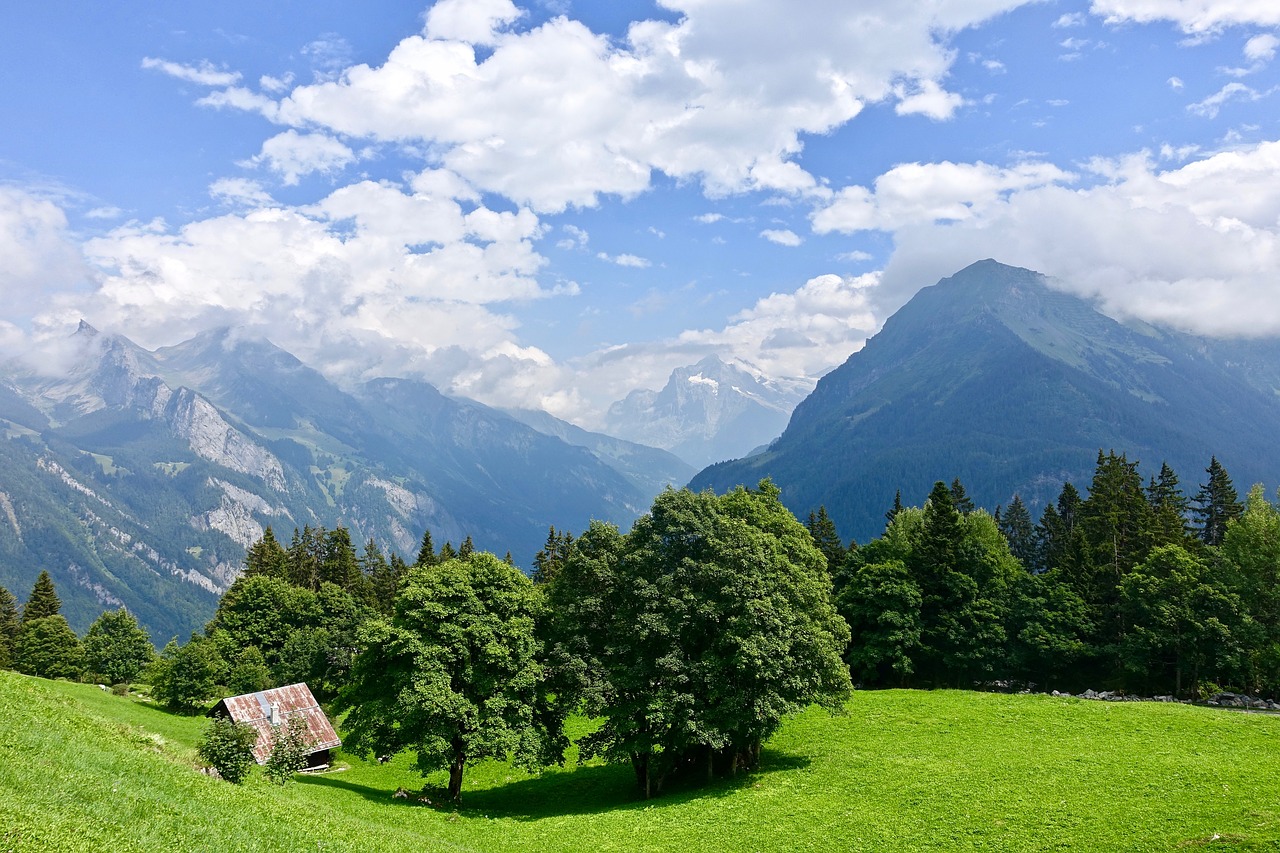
x,y
275,85
1070,19
1195,247
472,21
240,192
914,193
1176,84
38,251
1261,48
558,115
625,260
781,236
204,74
708,218
1194,17
1210,106
292,155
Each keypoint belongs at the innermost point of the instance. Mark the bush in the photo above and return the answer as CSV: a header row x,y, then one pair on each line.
x,y
288,750
228,748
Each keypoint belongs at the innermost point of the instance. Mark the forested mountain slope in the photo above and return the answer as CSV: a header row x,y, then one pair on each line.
x,y
994,377
139,478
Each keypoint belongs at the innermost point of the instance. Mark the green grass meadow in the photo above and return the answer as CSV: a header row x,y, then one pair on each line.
x,y
81,769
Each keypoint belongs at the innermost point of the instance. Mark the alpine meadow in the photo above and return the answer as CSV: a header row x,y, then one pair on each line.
x,y
658,425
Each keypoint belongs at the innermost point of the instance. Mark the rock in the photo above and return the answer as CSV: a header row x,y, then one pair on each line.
x,y
401,794
1089,694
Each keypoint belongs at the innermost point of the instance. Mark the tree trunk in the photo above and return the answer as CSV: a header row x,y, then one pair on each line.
x,y
455,771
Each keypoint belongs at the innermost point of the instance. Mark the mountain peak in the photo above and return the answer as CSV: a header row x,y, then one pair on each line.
x,y
85,330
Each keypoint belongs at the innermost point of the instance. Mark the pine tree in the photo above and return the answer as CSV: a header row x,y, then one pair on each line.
x,y
1018,530
1169,508
266,556
9,627
960,498
338,562
381,579
426,552
825,536
446,553
1216,504
303,557
43,601
548,562
895,509
466,549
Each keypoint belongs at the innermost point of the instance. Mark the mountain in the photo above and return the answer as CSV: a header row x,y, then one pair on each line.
x,y
138,478
649,468
994,377
706,412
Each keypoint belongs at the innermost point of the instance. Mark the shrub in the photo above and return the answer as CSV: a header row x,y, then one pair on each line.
x,y
288,750
228,748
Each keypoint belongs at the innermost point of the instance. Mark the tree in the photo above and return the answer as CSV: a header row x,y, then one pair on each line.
x,y
288,750
826,538
262,611
466,549
338,562
117,648
1169,508
381,578
1216,504
1021,534
895,509
881,603
1251,551
717,622
227,746
266,557
249,673
960,498
456,674
427,552
47,647
1178,619
548,561
185,678
43,600
9,627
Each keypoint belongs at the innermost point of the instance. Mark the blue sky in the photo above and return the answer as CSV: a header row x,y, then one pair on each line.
x,y
552,203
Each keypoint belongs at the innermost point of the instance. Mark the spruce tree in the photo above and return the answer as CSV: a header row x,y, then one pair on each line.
x,y
1216,504
466,549
447,552
381,579
303,558
266,556
1018,530
426,552
338,562
895,509
1169,508
825,536
43,601
960,498
9,627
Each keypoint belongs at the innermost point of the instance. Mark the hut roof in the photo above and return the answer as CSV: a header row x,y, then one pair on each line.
x,y
294,700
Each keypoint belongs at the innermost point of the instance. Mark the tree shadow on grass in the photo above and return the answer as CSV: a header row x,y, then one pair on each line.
x,y
590,789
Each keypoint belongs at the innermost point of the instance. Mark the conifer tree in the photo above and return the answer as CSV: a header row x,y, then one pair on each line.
x,y
381,578
825,536
9,627
1018,530
548,561
43,601
303,558
466,549
266,556
426,552
1169,507
338,562
895,509
1216,504
960,498
446,553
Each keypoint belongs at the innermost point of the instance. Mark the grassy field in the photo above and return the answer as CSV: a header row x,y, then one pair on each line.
x,y
81,769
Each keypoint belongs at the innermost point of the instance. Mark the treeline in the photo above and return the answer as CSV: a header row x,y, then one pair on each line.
x,y
1135,588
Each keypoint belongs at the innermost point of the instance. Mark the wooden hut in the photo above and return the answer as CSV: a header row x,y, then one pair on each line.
x,y
273,708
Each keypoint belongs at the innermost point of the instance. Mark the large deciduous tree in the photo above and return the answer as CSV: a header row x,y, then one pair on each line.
x,y
117,648
456,674
710,622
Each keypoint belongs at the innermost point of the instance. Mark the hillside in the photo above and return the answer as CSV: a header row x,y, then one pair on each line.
x,y
994,377
139,478
904,770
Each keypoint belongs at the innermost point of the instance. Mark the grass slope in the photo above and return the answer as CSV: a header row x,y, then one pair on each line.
x,y
83,770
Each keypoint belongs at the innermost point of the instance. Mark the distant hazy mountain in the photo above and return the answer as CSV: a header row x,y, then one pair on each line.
x,y
993,377
650,468
707,412
139,478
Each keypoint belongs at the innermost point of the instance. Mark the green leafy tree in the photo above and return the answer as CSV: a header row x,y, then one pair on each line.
x,y
9,627
1251,551
288,750
456,675
1179,621
248,672
117,648
1216,504
43,600
227,746
881,603
186,678
47,647
262,611
1050,632
718,621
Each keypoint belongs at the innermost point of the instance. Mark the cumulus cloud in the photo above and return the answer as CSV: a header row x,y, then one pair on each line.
x,y
293,155
1195,17
558,115
624,260
39,253
204,73
930,192
1195,247
782,237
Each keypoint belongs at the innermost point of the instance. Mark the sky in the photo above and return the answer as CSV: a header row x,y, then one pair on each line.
x,y
549,204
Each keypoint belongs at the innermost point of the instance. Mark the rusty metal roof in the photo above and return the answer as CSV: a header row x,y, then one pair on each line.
x,y
294,700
